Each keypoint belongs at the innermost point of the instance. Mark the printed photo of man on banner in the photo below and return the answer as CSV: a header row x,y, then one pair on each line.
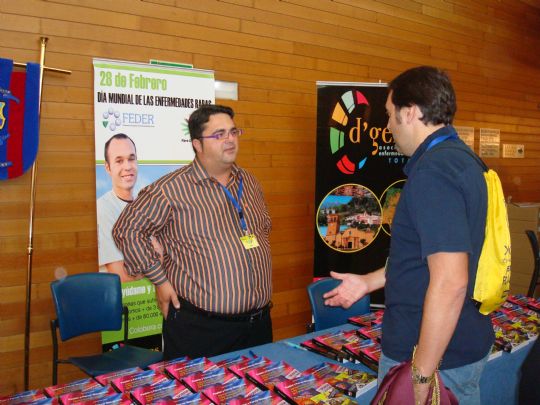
x,y
358,179
141,134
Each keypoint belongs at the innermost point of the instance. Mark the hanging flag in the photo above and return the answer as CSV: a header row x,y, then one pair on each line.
x,y
19,118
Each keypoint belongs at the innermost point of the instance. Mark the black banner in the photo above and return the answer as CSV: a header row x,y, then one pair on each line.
x,y
358,179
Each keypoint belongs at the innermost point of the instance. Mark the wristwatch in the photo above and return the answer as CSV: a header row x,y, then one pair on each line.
x,y
419,378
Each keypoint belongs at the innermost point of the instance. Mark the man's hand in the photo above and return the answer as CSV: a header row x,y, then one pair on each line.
x,y
421,392
157,247
352,288
118,268
166,295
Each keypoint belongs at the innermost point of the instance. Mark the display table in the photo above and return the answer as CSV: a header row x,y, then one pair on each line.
x,y
499,382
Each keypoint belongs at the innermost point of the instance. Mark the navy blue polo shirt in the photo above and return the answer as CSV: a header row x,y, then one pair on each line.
x,y
442,208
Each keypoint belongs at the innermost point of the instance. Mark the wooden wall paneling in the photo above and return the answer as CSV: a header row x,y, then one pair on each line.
x,y
275,51
373,32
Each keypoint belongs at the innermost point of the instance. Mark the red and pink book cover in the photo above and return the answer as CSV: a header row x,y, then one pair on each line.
x,y
244,366
184,368
223,393
23,397
122,398
334,341
85,384
150,393
270,374
89,395
105,379
190,399
128,383
232,361
200,380
262,398
162,365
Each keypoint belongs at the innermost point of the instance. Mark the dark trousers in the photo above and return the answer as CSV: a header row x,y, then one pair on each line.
x,y
529,385
194,333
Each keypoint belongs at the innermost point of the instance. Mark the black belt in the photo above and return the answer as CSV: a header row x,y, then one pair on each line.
x,y
251,316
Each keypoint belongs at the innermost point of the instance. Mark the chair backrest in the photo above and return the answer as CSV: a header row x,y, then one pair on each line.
x,y
325,316
535,279
87,302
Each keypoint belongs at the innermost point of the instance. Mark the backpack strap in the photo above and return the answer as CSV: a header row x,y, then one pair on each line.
x,y
451,145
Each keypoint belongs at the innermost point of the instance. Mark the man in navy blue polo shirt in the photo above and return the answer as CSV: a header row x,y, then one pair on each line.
x,y
437,236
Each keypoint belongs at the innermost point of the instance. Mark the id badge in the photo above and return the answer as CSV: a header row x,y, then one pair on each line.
x,y
249,241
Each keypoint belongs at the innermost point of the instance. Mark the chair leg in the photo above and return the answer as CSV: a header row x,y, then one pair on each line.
x,y
55,352
126,318
534,279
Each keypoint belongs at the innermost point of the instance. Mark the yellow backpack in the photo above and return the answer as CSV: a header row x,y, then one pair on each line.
x,y
493,274
494,266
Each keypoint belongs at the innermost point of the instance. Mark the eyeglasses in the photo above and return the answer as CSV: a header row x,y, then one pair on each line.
x,y
224,134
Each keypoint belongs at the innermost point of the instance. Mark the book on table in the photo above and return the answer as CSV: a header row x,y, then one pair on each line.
x,y
334,342
351,382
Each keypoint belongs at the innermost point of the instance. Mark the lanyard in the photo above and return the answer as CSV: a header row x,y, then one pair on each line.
x,y
236,203
439,140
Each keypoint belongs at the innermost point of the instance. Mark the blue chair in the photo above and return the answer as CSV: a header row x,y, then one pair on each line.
x,y
325,316
92,302
535,278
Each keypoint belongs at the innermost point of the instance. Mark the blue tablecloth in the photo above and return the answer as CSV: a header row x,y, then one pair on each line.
x,y
499,381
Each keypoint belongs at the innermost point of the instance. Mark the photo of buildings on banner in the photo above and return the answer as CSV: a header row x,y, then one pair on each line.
x,y
390,198
349,218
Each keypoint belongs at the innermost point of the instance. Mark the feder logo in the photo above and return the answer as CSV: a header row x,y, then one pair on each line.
x,y
114,119
111,119
351,116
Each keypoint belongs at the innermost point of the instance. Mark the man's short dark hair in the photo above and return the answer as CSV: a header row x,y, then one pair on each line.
x,y
430,89
201,115
116,136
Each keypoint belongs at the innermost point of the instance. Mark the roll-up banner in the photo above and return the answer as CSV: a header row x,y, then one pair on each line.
x,y
150,105
359,179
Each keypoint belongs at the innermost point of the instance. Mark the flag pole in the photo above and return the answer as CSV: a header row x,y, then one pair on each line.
x,y
42,67
46,68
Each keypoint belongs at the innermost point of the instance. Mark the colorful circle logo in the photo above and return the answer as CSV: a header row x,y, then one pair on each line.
x,y
342,116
